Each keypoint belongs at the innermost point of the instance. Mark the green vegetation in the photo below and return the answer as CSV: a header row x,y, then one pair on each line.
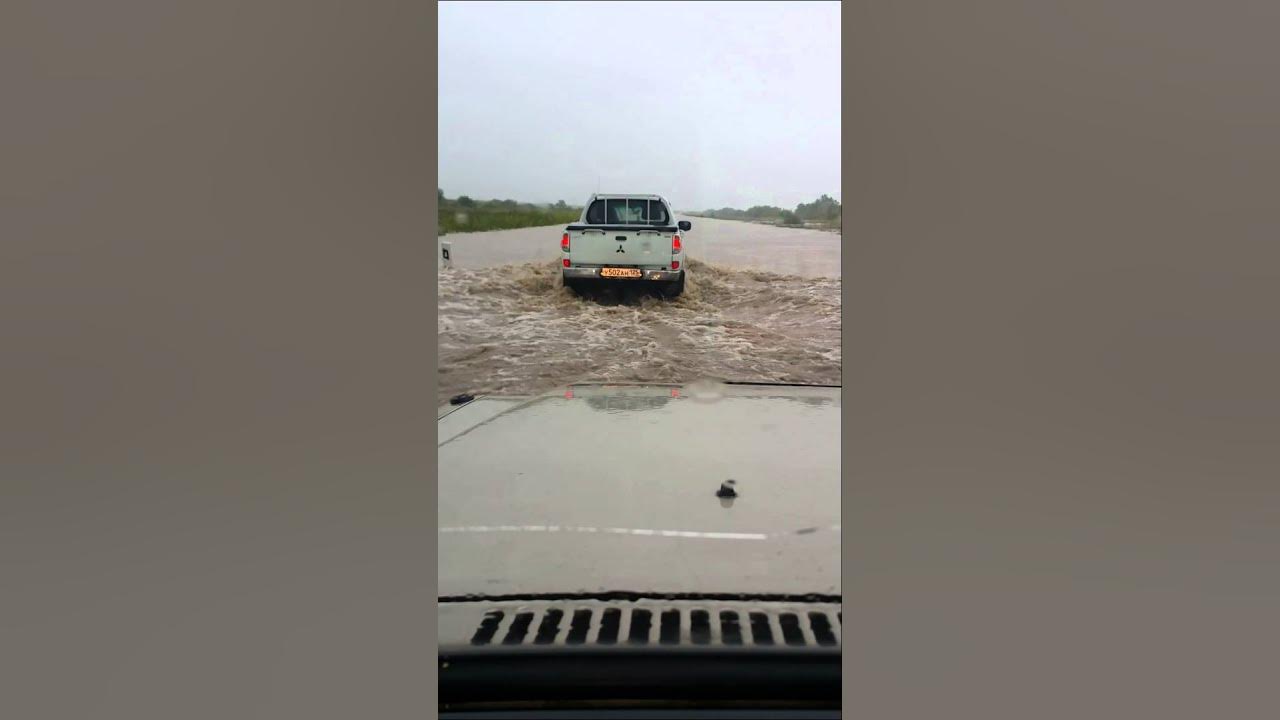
x,y
465,214
822,213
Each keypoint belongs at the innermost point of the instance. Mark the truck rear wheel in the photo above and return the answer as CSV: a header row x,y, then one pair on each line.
x,y
672,290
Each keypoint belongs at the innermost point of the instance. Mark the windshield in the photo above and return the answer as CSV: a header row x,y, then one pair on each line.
x,y
639,318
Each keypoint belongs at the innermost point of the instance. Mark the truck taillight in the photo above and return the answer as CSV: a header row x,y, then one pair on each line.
x,y
564,242
675,264
566,262
675,245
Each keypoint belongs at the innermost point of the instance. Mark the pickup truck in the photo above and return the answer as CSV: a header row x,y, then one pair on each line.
x,y
625,239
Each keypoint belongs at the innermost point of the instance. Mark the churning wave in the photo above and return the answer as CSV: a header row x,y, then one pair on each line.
x,y
515,329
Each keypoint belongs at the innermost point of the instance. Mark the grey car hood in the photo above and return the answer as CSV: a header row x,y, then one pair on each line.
x,y
608,489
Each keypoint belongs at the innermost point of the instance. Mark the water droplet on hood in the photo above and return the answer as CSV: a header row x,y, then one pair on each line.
x,y
705,390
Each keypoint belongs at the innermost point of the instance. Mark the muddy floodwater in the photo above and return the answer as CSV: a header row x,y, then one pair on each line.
x,y
507,325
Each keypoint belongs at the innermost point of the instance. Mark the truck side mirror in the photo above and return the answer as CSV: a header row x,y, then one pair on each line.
x,y
685,225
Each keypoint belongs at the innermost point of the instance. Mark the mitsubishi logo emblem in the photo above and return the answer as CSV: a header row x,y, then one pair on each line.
x,y
619,250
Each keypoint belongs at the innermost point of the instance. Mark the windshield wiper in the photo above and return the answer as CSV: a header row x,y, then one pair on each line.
x,y
631,596
779,384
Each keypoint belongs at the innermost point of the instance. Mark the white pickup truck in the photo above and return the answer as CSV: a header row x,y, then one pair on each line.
x,y
625,239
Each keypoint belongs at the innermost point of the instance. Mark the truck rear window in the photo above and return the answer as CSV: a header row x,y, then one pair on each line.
x,y
627,212
595,213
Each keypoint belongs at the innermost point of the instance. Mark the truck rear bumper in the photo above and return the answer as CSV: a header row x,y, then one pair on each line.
x,y
593,273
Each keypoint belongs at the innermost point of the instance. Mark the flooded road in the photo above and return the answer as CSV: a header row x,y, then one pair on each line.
x,y
506,324
790,251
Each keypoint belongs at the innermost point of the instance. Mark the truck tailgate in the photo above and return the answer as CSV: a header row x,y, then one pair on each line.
x,y
641,247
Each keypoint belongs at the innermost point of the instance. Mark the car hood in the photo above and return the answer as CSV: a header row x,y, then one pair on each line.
x,y
599,489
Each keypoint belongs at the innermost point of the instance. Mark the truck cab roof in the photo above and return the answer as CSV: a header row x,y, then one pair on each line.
x,y
633,196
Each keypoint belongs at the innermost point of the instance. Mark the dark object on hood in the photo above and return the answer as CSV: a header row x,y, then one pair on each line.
x,y
460,399
727,490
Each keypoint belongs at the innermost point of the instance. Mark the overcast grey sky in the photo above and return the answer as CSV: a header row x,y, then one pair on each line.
x,y
710,104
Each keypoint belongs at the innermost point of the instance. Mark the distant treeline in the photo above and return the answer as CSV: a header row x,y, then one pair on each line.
x,y
823,212
464,214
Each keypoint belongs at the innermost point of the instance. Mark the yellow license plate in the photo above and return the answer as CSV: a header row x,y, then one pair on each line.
x,y
620,272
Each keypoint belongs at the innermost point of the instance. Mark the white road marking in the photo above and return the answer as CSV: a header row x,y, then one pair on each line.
x,y
619,531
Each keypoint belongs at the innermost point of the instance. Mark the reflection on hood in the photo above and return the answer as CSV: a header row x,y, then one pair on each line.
x,y
640,398
607,403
